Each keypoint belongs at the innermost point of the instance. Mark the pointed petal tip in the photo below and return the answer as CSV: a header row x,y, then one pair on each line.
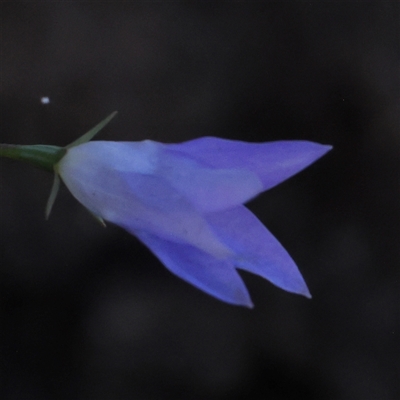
x,y
298,287
241,299
246,303
305,292
319,150
301,292
327,147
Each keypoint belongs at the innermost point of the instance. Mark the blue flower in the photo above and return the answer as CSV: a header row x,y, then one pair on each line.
x,y
185,203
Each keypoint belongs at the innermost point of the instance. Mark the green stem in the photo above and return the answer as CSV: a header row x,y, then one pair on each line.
x,y
39,155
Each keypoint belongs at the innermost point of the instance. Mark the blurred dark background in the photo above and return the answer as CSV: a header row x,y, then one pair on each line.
x,y
89,313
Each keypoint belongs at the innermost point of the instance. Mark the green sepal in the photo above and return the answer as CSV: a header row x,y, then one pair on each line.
x,y
40,155
53,195
94,131
98,219
47,157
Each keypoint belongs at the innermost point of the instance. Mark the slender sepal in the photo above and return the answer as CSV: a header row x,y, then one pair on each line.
x,y
53,195
93,132
98,219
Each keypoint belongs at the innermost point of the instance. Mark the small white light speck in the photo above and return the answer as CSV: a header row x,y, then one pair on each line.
x,y
45,100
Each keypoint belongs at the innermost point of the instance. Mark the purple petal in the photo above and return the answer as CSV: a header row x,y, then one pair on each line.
x,y
207,188
110,188
216,277
273,162
257,249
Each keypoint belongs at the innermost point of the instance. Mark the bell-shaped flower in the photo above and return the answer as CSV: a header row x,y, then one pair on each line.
x,y
185,203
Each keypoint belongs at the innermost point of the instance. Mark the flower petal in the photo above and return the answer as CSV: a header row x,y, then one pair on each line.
x,y
208,188
216,277
257,250
272,162
140,201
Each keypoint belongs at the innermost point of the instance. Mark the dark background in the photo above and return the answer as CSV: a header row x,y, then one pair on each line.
x,y
89,313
